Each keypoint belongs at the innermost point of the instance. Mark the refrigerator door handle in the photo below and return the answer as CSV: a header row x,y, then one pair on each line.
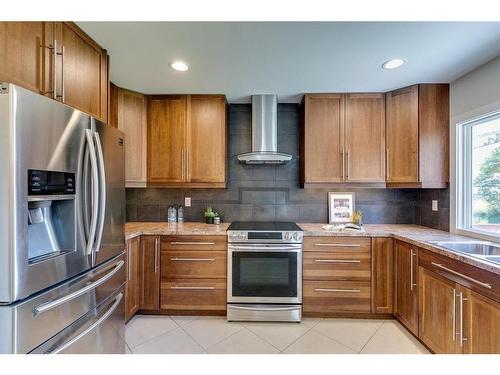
x,y
95,191
85,194
102,192
50,305
106,315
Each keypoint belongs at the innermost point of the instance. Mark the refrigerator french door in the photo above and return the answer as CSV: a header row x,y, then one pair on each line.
x,y
61,193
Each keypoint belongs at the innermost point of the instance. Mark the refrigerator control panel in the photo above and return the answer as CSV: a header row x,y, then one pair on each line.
x,y
50,182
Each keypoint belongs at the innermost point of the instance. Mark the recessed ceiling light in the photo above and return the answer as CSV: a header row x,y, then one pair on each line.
x,y
393,64
179,66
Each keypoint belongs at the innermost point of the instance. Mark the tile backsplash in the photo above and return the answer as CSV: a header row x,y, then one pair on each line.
x,y
263,192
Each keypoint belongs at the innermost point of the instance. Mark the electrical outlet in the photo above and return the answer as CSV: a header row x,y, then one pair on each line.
x,y
187,201
434,205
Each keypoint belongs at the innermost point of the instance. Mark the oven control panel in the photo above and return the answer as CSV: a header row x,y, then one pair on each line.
x,y
265,236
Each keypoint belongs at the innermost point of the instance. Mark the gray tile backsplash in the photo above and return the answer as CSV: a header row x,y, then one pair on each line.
x,y
273,192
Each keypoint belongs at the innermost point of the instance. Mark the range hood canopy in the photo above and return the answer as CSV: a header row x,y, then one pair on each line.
x,y
264,133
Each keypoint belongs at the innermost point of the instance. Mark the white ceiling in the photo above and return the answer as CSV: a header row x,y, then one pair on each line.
x,y
290,58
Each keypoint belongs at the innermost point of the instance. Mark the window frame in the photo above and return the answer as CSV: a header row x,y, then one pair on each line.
x,y
461,217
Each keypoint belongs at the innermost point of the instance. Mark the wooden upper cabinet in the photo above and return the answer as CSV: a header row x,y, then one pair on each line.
x,y
364,137
167,138
187,140
132,120
405,285
22,54
321,154
417,136
82,67
206,154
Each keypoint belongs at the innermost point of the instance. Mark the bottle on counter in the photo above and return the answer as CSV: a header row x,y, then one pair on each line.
x,y
180,214
172,214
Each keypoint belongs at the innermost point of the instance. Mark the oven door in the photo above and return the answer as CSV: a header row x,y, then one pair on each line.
x,y
265,273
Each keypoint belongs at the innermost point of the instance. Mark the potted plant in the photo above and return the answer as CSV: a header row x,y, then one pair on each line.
x,y
357,218
209,215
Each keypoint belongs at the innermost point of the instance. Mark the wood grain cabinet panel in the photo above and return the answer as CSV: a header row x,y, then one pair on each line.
x,y
133,285
207,139
406,285
322,123
417,136
337,265
132,120
193,295
364,137
150,273
334,243
194,243
336,296
382,275
187,264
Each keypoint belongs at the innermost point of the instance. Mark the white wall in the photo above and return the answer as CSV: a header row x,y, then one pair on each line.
x,y
473,95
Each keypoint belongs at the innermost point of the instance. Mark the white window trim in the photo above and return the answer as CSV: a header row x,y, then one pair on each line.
x,y
457,204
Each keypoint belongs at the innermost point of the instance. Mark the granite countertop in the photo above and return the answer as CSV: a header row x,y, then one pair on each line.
x,y
415,234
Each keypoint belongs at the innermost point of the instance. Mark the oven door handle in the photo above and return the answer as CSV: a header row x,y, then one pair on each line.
x,y
264,248
264,308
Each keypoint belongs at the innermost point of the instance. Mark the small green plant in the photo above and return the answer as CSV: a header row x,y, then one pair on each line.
x,y
357,217
210,213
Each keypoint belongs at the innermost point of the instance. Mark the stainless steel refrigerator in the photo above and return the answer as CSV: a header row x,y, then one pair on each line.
x,y
62,213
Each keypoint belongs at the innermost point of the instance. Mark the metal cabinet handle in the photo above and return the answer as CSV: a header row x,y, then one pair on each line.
x,y
50,47
192,243
118,299
343,164
337,244
486,285
388,164
193,259
156,256
412,284
337,261
347,165
454,316
187,165
50,305
462,338
338,290
129,252
54,79
192,287
62,96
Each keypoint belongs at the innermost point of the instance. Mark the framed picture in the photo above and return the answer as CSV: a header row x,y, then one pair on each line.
x,y
340,207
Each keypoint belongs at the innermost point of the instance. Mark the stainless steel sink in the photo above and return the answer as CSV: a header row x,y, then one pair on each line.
x,y
480,249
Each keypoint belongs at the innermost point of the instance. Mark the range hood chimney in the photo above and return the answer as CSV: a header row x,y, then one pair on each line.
x,y
264,133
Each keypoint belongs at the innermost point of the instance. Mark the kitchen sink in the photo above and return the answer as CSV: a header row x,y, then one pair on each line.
x,y
480,249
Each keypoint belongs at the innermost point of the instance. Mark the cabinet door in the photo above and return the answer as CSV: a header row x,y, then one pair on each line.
x,y
402,135
481,324
81,70
132,120
405,284
438,312
21,54
364,133
323,150
382,275
207,139
132,290
166,139
150,273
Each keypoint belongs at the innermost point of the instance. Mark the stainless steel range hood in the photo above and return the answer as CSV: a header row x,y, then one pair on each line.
x,y
264,133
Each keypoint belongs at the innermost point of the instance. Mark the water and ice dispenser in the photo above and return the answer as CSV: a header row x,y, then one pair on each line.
x,y
51,214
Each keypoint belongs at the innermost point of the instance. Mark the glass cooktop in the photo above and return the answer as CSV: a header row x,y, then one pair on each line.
x,y
279,226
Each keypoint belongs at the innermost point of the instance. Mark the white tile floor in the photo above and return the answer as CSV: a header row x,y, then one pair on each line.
x,y
146,334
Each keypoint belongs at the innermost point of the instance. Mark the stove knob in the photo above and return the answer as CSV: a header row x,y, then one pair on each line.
x,y
288,236
296,236
241,236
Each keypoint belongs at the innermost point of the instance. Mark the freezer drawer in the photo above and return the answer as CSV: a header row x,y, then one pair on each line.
x,y
31,322
100,331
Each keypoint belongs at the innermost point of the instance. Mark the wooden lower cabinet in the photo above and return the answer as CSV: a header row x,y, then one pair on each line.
x,y
382,275
336,297
438,313
150,273
193,295
406,285
481,324
194,264
133,284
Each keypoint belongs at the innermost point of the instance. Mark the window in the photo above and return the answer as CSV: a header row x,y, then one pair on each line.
x,y
478,175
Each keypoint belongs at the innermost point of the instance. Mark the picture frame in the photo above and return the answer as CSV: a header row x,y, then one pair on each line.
x,y
340,207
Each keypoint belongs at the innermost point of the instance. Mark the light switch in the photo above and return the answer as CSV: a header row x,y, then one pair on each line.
x,y
434,205
187,201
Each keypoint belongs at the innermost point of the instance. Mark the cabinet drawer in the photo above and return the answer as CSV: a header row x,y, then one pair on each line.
x,y
336,296
193,264
193,295
337,265
194,243
481,281
336,244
